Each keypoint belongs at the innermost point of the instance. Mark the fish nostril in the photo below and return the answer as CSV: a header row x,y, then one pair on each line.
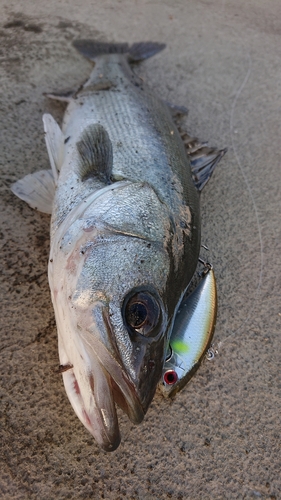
x,y
151,364
170,377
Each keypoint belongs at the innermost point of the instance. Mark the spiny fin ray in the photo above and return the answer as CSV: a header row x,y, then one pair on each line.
x,y
203,163
203,159
95,152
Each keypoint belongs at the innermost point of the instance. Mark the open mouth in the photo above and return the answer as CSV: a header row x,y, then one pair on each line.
x,y
94,395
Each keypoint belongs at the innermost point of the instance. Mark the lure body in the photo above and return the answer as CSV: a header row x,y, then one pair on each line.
x,y
192,333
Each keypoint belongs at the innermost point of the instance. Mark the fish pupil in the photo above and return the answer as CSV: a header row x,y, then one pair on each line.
x,y
136,314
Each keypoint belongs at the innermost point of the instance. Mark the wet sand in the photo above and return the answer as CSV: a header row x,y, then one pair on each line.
x,y
220,437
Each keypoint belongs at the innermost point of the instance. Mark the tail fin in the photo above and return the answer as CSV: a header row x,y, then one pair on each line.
x,y
136,52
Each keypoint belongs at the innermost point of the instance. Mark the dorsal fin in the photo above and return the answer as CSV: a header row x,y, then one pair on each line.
x,y
203,163
203,159
95,152
136,53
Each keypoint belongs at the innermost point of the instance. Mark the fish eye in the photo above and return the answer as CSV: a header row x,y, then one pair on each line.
x,y
142,313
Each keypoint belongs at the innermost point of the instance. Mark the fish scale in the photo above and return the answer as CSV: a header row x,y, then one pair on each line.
x,y
124,113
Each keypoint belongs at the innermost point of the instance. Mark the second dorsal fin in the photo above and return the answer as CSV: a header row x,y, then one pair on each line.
x,y
95,153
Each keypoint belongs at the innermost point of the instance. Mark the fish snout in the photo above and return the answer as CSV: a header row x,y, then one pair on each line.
x,y
148,369
145,320
101,378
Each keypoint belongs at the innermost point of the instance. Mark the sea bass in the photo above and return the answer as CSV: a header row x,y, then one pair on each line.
x,y
125,234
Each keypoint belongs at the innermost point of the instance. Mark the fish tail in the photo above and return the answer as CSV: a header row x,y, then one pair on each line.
x,y
135,53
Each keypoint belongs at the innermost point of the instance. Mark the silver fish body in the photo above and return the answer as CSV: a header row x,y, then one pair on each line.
x,y
136,235
125,239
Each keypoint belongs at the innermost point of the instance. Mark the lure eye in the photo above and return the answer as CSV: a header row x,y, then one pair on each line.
x,y
170,377
142,313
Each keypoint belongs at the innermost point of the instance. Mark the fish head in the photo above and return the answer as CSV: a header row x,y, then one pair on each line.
x,y
136,307
114,309
117,334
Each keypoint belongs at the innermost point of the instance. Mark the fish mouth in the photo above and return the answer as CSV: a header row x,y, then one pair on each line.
x,y
94,392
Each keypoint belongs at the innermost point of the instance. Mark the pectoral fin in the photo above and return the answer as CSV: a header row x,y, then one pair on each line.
x,y
191,335
54,142
38,190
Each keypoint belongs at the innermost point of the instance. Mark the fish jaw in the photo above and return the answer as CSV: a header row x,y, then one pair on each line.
x,y
96,382
96,410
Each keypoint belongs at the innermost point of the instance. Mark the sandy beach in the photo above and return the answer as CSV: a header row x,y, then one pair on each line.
x,y
220,437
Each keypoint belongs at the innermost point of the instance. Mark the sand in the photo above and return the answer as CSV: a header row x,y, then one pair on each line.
x,y
220,437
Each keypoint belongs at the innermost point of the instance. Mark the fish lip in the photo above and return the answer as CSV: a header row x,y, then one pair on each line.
x,y
98,418
98,383
128,394
134,412
123,389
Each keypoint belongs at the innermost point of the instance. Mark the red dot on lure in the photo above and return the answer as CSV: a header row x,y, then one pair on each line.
x,y
170,377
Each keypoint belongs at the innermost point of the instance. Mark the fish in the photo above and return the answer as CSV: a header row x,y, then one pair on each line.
x,y
123,193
